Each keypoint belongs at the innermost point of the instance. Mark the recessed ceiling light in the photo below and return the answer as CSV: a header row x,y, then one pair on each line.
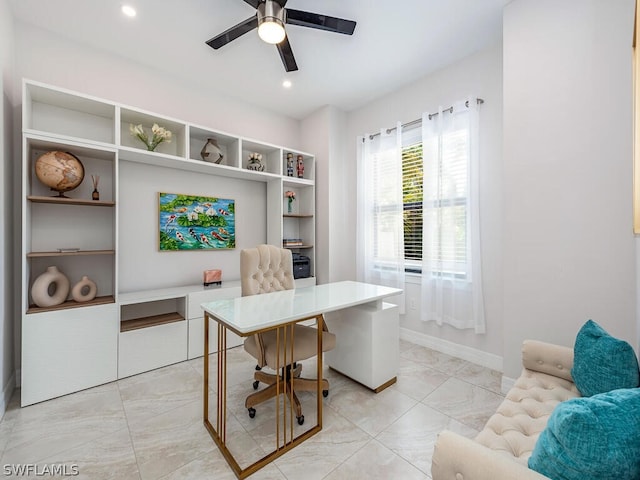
x,y
128,10
287,84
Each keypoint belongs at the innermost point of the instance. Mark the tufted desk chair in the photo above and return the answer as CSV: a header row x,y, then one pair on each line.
x,y
266,269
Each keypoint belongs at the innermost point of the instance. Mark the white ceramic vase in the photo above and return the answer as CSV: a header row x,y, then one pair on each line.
x,y
84,291
40,290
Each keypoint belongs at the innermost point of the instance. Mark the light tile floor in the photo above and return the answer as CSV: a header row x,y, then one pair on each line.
x,y
150,427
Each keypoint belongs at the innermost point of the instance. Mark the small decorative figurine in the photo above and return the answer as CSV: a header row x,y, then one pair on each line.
x,y
211,151
289,164
291,196
255,162
95,195
300,166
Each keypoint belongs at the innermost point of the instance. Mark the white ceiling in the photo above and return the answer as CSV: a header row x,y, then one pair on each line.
x,y
395,43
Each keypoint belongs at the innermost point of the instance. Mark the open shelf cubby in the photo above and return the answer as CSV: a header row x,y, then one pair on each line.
x,y
72,304
150,321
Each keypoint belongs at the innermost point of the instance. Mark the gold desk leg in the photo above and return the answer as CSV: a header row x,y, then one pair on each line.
x,y
205,398
219,434
320,326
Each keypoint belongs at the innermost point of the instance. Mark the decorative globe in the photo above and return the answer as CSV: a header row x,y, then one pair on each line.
x,y
60,171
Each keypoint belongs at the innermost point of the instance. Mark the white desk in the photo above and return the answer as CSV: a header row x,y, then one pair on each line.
x,y
246,316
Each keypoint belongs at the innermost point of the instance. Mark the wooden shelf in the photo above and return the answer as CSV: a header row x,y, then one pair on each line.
x,y
67,254
152,321
297,215
72,304
291,247
70,201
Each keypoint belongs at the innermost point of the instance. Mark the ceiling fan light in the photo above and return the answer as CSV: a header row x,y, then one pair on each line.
x,y
271,31
271,22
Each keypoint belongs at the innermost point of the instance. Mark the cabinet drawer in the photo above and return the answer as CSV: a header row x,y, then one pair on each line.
x,y
153,347
64,351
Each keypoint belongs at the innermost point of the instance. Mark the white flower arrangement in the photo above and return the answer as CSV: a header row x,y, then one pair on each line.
x,y
159,135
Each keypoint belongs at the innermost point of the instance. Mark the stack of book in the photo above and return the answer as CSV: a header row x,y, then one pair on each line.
x,y
292,242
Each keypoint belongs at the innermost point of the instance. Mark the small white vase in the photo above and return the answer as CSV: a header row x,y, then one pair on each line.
x,y
42,284
84,291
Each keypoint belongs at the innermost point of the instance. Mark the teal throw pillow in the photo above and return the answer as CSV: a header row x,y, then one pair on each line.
x,y
591,438
601,362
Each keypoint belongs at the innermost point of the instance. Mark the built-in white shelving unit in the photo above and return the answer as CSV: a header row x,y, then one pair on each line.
x,y
74,345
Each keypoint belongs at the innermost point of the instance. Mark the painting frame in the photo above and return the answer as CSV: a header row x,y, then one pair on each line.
x,y
195,223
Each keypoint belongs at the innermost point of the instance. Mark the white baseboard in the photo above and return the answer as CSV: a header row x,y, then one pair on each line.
x,y
7,391
473,355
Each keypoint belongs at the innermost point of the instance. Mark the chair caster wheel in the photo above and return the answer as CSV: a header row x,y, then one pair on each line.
x,y
325,393
252,412
300,419
256,384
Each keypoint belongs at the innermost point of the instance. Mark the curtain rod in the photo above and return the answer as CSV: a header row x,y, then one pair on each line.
x,y
479,101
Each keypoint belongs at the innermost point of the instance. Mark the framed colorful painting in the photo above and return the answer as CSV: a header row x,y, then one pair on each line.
x,y
190,222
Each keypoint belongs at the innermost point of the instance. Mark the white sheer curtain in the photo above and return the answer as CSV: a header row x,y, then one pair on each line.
x,y
380,235
451,267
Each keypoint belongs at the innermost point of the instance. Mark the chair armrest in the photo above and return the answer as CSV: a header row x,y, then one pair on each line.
x,y
456,457
548,358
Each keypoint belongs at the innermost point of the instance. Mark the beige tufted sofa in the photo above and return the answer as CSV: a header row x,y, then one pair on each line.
x,y
502,449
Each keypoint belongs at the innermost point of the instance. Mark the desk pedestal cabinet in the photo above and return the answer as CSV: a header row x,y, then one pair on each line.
x,y
367,344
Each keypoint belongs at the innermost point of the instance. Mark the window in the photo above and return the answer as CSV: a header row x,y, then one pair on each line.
x,y
446,203
412,177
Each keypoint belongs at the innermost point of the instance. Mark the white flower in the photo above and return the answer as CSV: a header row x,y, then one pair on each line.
x,y
160,134
136,130
192,216
211,212
198,209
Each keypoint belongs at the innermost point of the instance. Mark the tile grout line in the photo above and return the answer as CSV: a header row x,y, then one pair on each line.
x,y
126,417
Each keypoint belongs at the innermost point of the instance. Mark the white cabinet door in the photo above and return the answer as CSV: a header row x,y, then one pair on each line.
x,y
153,347
68,350
367,343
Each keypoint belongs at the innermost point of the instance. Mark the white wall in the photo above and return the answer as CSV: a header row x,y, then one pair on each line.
x,y
568,244
324,133
141,265
7,363
481,75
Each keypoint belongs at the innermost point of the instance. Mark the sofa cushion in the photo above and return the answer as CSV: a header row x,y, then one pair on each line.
x,y
594,437
514,428
601,362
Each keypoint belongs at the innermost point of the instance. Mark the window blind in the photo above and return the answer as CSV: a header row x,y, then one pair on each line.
x,y
450,210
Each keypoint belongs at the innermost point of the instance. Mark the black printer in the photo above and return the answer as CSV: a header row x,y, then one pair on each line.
x,y
301,266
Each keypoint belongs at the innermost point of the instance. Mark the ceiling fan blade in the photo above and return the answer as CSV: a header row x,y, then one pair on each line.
x,y
322,22
286,54
253,3
233,33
